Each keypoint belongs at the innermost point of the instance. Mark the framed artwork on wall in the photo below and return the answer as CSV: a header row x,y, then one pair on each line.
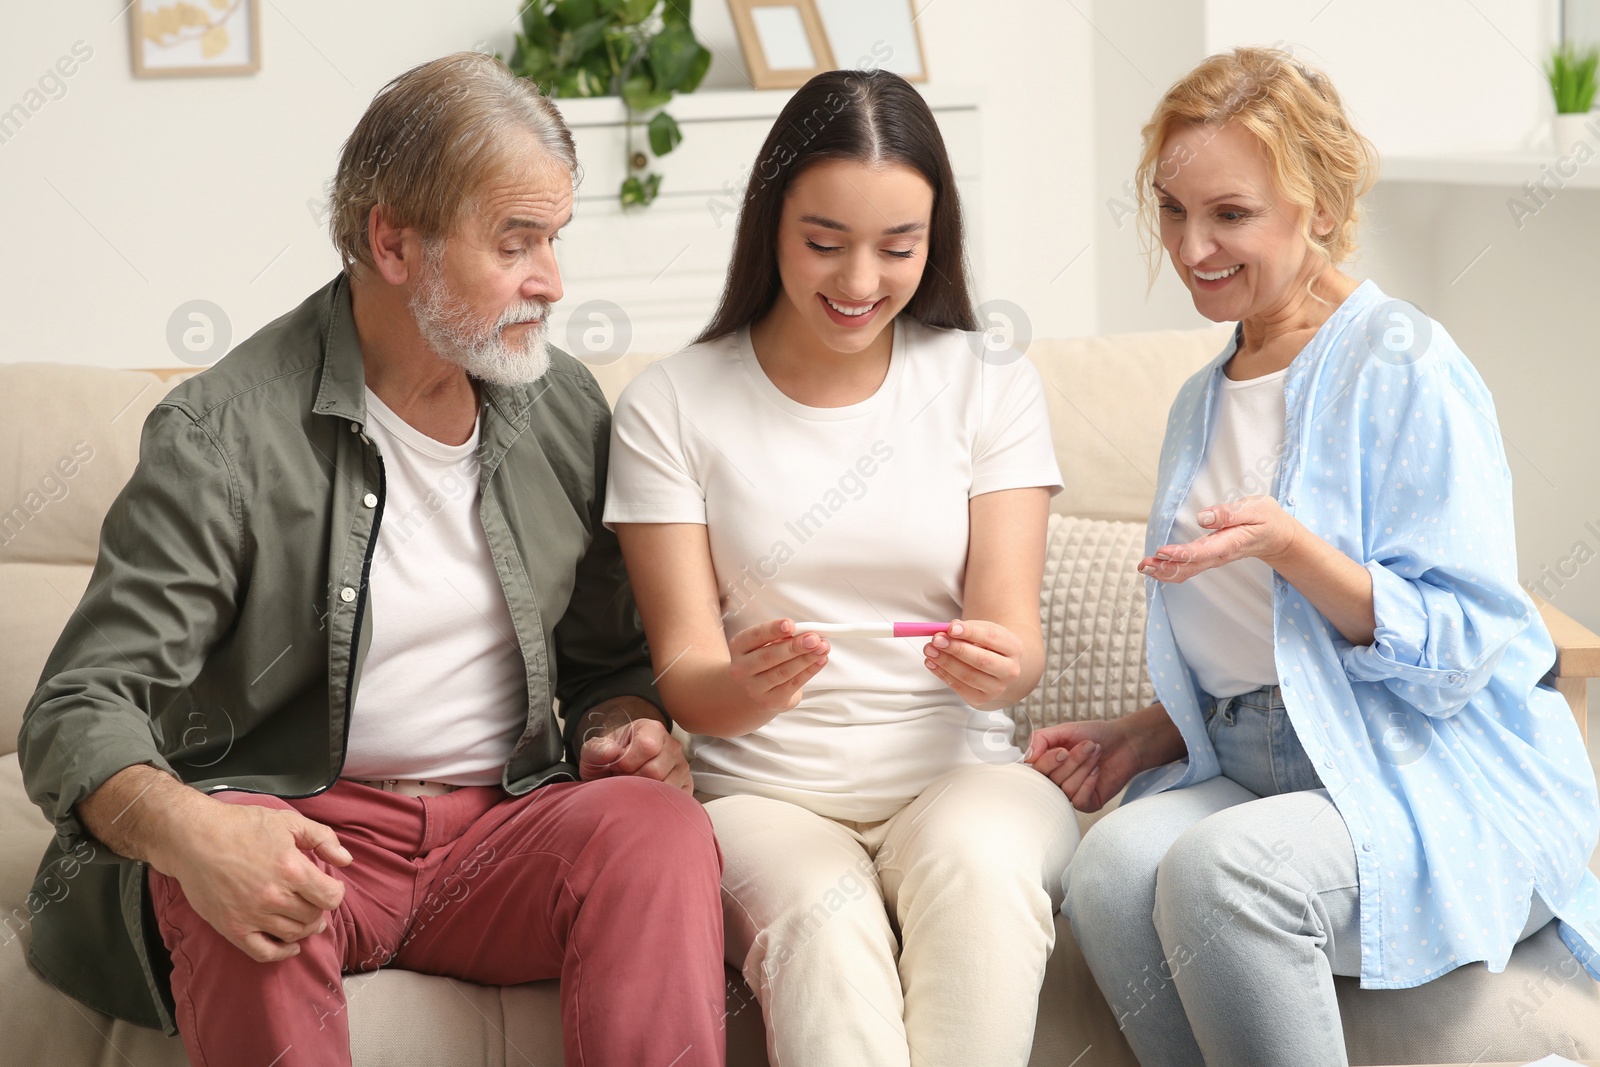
x,y
874,35
782,40
174,38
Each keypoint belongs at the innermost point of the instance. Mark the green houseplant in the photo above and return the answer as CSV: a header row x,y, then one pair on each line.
x,y
641,50
1572,76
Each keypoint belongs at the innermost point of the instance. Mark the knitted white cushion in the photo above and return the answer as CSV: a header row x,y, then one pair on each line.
x,y
1092,608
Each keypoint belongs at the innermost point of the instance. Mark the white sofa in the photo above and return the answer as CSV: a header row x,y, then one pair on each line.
x,y
1108,398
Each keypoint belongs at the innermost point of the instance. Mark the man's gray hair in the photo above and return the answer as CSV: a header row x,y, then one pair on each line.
x,y
429,143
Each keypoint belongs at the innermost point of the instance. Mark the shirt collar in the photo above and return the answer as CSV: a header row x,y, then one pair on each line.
x,y
1360,299
342,392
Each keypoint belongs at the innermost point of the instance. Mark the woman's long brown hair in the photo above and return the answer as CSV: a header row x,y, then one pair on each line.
x,y
869,117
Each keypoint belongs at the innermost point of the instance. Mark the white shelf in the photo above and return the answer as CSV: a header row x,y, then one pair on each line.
x,y
711,105
1493,168
723,133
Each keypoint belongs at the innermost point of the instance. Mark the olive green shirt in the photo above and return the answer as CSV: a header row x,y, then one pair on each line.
x,y
222,633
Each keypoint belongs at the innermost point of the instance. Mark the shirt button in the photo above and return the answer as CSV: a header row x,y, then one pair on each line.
x,y
370,500
1289,500
347,594
1328,763
355,427
1366,846
1457,678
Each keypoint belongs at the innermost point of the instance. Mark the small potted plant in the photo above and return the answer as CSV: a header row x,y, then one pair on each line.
x,y
641,50
1572,81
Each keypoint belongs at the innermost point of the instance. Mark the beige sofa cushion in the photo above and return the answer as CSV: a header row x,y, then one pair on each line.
x,y
39,597
615,375
1092,609
1108,399
69,439
18,815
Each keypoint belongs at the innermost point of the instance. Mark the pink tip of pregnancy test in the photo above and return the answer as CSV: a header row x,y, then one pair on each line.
x,y
920,629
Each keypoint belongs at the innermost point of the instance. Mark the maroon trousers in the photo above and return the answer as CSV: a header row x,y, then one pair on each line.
x,y
611,886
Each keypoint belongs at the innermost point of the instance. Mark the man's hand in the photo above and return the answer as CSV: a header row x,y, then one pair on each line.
x,y
244,870
643,747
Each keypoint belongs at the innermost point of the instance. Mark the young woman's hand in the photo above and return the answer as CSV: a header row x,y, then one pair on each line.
x,y
979,660
772,665
1253,527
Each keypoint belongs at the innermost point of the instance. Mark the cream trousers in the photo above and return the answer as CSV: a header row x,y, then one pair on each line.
x,y
921,939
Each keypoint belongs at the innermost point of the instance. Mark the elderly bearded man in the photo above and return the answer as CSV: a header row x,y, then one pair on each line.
x,y
306,703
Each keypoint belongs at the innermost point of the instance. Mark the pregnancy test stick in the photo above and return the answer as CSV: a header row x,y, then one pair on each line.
x,y
872,629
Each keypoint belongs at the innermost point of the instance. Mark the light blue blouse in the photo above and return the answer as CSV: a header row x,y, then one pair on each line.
x,y
1464,782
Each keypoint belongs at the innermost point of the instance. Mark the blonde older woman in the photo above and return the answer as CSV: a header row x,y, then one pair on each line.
x,y
1353,768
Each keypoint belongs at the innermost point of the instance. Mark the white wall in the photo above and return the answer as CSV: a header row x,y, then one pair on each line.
x,y
1038,165
1133,66
125,198
1421,75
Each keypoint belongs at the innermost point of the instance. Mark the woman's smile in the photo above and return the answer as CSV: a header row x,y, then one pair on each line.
x,y
1213,280
850,315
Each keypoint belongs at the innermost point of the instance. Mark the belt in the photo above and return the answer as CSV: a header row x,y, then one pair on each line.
x,y
411,787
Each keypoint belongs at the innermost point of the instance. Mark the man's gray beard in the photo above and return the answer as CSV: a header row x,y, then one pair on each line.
x,y
449,326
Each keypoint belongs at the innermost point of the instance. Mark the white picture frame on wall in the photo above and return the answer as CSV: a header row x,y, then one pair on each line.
x,y
875,35
185,38
783,41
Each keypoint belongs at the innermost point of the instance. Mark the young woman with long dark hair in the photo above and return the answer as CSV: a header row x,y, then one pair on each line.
x,y
839,447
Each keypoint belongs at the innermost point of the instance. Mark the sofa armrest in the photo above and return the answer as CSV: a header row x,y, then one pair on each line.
x,y
1577,660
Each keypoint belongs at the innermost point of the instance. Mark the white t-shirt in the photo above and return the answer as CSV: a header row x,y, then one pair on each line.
x,y
1222,618
845,514
443,695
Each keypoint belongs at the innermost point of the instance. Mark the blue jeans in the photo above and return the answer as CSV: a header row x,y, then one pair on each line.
x,y
1215,917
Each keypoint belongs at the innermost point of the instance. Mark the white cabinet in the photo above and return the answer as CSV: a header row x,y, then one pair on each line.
x,y
663,266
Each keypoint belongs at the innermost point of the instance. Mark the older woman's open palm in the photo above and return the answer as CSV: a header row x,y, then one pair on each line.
x,y
1252,527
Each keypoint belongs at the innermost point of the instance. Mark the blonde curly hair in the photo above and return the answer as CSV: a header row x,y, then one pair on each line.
x,y
1319,160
